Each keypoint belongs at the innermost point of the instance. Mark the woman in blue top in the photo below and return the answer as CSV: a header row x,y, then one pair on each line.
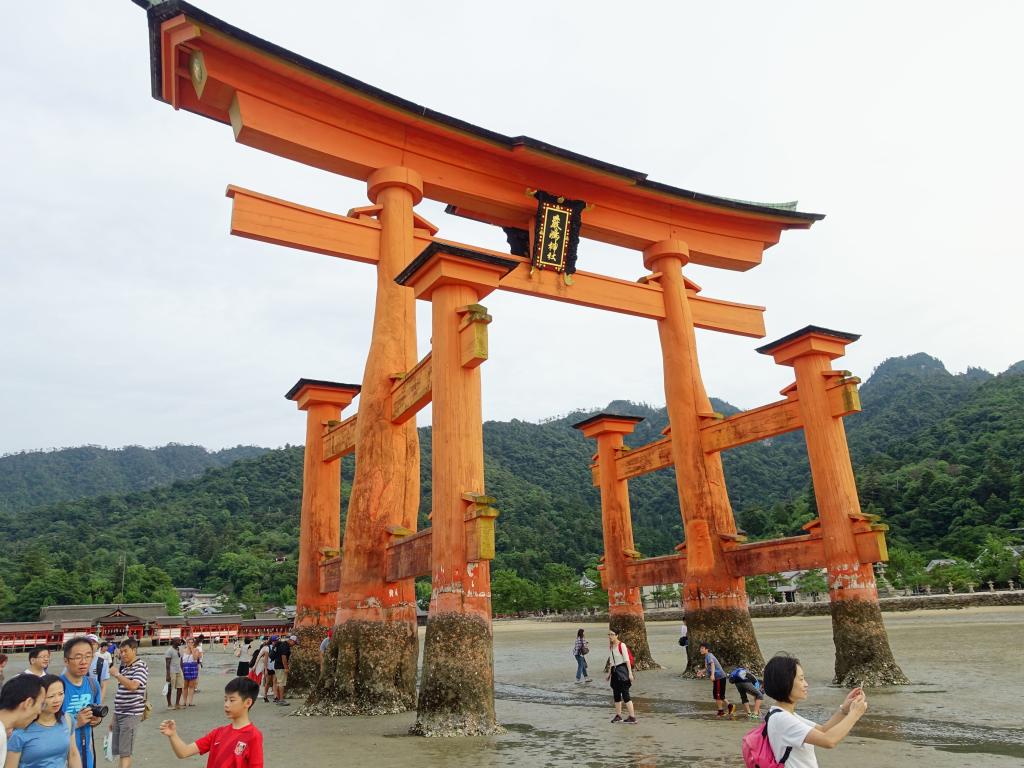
x,y
48,742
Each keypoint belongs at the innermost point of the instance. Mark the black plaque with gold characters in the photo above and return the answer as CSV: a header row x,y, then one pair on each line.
x,y
557,233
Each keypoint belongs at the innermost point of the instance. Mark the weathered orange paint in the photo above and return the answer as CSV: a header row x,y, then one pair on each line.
x,y
451,284
835,488
320,518
385,490
701,486
616,521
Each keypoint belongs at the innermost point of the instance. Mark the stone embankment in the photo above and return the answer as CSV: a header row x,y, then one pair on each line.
x,y
821,608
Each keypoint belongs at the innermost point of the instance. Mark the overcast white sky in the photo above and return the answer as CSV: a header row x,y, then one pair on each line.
x,y
128,315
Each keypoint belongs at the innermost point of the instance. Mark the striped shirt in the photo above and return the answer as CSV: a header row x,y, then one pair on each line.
x,y
128,702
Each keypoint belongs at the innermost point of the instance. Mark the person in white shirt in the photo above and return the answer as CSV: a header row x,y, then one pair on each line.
x,y
38,661
790,733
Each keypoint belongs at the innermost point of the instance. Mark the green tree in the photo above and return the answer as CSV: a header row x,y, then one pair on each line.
x,y
959,574
759,586
996,562
812,582
906,568
511,593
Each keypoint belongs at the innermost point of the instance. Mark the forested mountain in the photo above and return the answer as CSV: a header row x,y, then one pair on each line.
x,y
939,457
32,478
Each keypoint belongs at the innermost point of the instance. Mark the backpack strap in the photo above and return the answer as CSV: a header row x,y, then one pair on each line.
x,y
769,713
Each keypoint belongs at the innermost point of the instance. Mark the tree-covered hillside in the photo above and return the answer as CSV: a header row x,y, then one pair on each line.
x,y
939,457
32,478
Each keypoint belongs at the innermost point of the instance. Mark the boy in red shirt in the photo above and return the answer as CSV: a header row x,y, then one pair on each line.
x,y
238,745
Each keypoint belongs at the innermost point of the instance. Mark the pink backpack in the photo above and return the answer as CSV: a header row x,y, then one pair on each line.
x,y
757,752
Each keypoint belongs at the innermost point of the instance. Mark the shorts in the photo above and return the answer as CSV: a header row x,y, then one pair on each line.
x,y
190,670
745,687
281,677
242,670
177,680
718,689
123,739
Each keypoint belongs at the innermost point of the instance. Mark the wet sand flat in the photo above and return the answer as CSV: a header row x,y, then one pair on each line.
x,y
968,667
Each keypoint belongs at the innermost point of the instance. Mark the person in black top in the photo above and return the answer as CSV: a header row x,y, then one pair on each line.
x,y
282,655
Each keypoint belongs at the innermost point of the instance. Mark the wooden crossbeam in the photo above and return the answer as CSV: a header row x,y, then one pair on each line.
x,y
747,427
272,220
794,553
640,461
653,571
340,440
408,556
411,392
799,553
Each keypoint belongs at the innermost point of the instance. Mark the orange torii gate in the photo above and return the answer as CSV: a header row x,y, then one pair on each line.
x,y
842,539
300,110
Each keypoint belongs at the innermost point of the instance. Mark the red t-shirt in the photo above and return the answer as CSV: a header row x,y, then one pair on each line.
x,y
231,747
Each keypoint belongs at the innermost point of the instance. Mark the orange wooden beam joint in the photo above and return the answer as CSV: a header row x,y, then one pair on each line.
x,y
720,434
408,554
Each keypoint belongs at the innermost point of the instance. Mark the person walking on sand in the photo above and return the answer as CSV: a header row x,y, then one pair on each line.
x,y
190,671
580,649
620,675
746,684
714,672
172,672
239,744
793,738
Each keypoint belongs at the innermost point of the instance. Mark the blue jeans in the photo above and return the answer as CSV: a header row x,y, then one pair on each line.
x,y
581,667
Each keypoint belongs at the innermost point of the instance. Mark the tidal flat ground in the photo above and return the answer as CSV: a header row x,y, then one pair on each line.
x,y
963,708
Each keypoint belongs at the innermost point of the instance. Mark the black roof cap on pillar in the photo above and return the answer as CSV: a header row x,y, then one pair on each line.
x,y
767,349
294,391
434,248
603,415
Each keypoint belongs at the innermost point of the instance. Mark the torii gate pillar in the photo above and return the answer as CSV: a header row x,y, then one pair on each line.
x,y
715,602
863,654
371,664
456,695
319,524
625,607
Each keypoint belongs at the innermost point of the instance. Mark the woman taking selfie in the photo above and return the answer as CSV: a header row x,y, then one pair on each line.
x,y
48,742
796,736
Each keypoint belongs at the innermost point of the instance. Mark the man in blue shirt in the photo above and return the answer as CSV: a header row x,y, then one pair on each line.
x,y
715,673
80,693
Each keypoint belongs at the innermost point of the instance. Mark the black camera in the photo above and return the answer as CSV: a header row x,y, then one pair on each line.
x,y
98,710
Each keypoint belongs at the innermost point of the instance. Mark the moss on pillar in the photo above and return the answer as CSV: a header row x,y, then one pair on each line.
x,y
457,687
632,631
304,662
729,633
863,654
369,669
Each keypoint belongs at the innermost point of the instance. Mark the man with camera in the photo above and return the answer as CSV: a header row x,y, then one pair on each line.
x,y
129,700
82,697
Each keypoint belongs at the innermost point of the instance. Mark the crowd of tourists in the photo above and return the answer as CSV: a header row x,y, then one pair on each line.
x,y
50,721
782,738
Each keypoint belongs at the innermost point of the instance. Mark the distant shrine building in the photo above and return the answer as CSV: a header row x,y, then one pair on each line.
x,y
549,202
